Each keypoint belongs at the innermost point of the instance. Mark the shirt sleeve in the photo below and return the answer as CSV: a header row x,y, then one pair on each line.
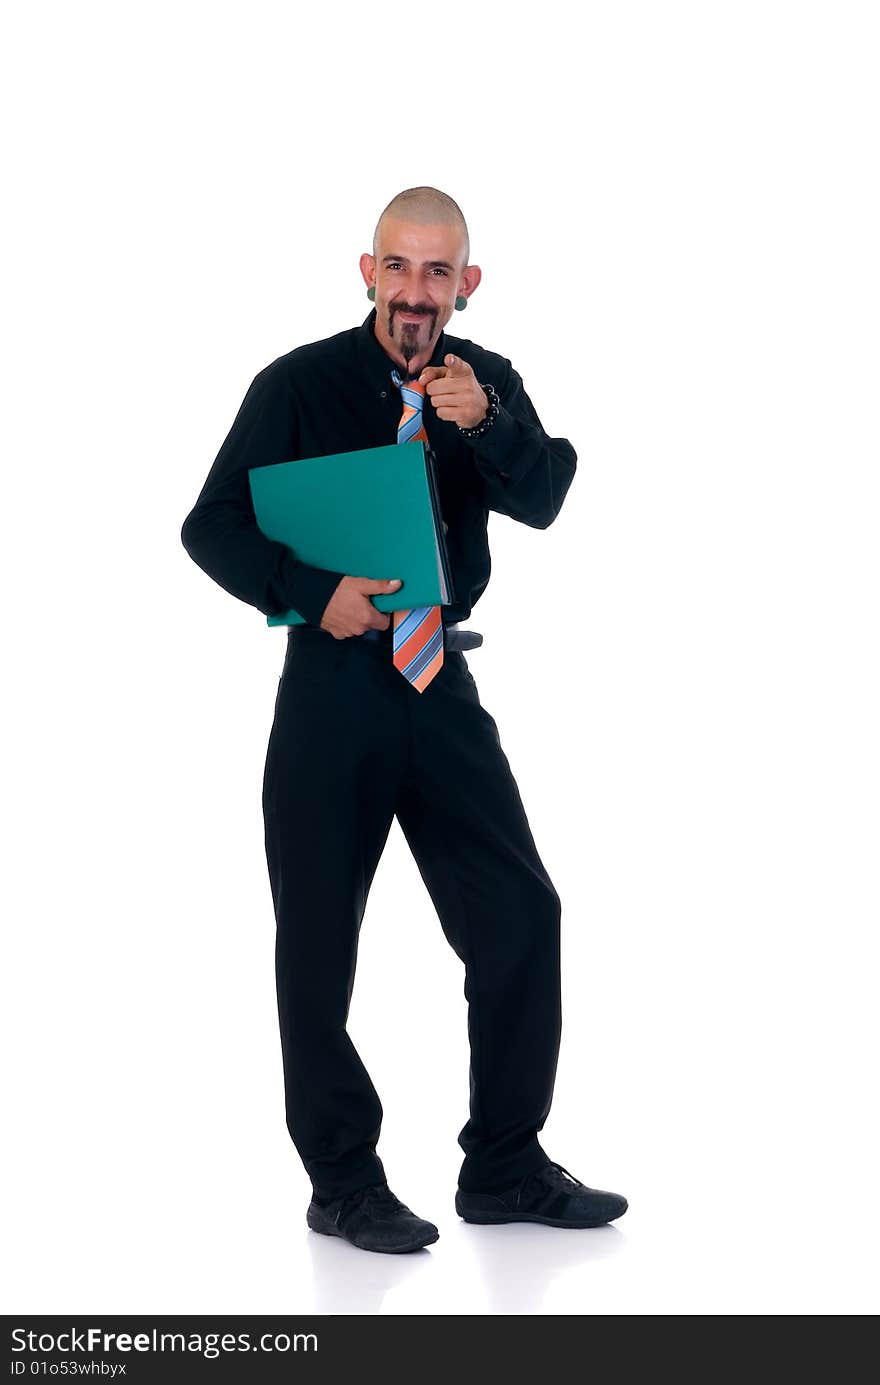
x,y
220,533
526,474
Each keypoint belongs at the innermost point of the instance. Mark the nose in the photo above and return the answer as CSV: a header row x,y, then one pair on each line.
x,y
412,294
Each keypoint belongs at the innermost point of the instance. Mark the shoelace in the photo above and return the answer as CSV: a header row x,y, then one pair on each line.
x,y
557,1169
559,1176
379,1195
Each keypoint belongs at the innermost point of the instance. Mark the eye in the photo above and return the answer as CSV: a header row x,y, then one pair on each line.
x,y
444,272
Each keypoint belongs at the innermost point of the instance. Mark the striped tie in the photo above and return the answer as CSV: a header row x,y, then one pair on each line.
x,y
418,634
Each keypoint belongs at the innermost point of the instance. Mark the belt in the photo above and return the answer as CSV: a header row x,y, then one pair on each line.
x,y
453,638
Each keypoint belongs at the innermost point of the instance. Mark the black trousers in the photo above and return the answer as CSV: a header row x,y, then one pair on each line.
x,y
352,745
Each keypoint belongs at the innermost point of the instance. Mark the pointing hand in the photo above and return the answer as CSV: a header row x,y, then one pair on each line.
x,y
455,392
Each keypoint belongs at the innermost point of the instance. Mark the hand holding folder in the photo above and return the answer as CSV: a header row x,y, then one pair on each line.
x,y
364,513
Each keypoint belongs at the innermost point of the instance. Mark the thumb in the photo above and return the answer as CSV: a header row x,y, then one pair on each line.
x,y
374,585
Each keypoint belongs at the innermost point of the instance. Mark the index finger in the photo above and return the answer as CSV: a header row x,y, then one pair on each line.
x,y
433,372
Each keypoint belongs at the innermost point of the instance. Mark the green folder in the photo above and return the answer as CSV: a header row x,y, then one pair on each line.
x,y
371,513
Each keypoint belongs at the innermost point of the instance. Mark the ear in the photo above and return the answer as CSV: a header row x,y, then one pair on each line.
x,y
469,280
367,265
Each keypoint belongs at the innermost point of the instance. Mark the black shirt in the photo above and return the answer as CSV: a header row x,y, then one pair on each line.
x,y
337,395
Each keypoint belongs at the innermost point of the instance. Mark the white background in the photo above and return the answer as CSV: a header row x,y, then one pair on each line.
x,y
675,207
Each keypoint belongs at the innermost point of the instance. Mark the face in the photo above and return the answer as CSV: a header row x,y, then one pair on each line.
x,y
417,273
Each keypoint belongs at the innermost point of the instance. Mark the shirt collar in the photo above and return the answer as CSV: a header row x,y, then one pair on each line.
x,y
374,359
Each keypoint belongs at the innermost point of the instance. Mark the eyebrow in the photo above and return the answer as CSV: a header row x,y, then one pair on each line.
x,y
432,264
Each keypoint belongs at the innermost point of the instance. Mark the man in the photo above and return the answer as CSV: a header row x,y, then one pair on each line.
x,y
378,716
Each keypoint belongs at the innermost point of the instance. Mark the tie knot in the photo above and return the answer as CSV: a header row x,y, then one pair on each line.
x,y
411,388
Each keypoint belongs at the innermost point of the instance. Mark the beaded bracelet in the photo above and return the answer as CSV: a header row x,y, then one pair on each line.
x,y
480,428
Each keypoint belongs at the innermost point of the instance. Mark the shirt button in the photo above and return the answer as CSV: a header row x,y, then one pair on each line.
x,y
382,394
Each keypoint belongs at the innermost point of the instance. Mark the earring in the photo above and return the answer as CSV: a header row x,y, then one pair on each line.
x,y
371,294
460,303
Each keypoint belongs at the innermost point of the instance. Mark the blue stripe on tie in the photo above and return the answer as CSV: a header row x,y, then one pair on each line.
x,y
408,430
410,624
424,657
412,620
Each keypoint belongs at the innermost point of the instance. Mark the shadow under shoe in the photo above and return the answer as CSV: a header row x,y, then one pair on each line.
x,y
372,1219
551,1195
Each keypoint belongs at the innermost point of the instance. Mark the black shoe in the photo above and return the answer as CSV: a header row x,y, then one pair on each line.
x,y
551,1195
373,1219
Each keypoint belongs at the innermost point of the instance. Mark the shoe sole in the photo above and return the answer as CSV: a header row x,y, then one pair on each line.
x,y
497,1219
325,1228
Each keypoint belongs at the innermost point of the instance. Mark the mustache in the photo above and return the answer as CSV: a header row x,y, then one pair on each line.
x,y
421,312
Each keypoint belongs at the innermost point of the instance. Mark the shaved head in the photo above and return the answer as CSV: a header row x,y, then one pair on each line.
x,y
425,206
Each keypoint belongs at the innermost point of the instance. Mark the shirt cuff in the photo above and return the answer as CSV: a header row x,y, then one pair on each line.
x,y
310,590
501,448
